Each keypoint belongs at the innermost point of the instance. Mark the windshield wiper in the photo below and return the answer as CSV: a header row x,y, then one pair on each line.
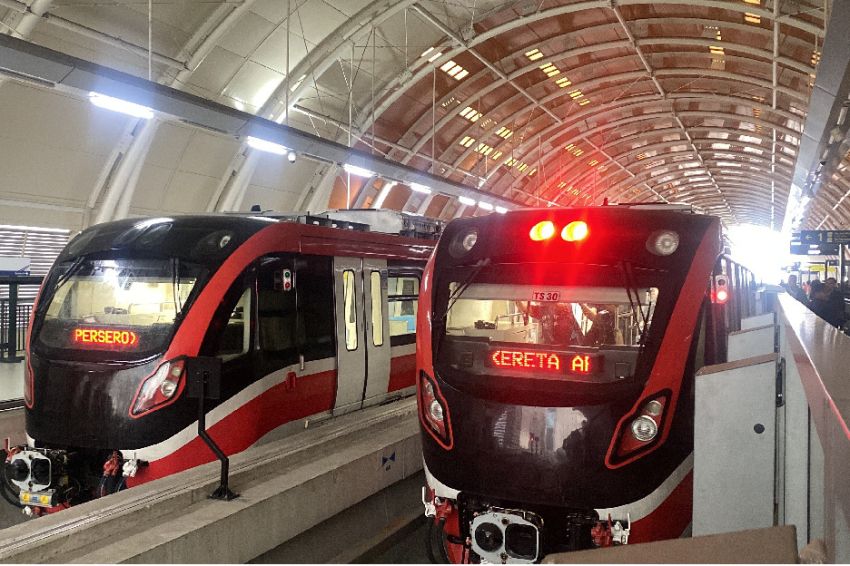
x,y
634,303
453,298
175,286
455,295
48,296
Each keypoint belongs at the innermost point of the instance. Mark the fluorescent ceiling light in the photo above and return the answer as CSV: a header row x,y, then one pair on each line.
x,y
485,205
501,209
265,145
359,171
122,106
420,188
466,200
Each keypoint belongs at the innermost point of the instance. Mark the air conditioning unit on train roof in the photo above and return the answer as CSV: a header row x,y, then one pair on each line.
x,y
389,221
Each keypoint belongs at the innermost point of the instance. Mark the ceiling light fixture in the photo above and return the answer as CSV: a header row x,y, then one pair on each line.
x,y
121,106
358,171
265,145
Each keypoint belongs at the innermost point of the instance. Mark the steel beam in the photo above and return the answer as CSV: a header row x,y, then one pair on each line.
x,y
21,59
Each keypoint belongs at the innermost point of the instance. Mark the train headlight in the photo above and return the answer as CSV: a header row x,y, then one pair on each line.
x,y
436,410
662,242
433,411
464,242
644,428
653,408
158,389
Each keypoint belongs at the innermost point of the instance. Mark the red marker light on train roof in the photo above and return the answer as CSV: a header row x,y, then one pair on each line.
x,y
575,231
105,338
542,231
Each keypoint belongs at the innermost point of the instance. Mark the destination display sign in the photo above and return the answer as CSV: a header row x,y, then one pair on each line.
x,y
825,236
552,361
808,242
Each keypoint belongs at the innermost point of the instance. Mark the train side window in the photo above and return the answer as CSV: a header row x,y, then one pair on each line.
x,y
403,303
276,310
236,338
314,287
229,333
377,309
349,310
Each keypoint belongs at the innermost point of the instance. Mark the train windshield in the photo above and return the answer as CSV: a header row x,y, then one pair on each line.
x,y
126,306
554,316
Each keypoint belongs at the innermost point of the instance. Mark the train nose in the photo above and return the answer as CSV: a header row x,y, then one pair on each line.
x,y
489,537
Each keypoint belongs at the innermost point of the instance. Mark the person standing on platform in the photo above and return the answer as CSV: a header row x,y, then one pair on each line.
x,y
836,302
794,290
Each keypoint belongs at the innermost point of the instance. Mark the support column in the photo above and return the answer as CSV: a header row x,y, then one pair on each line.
x,y
234,193
423,207
317,200
382,196
125,173
363,193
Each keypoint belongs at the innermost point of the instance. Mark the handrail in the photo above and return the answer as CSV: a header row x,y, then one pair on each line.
x,y
817,356
11,345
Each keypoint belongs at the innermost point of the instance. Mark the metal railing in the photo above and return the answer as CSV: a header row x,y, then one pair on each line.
x,y
22,315
14,316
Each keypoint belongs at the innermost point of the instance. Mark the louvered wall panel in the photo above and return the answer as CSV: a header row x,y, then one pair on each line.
x,y
39,245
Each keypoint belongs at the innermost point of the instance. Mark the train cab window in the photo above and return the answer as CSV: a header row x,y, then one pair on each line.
x,y
350,310
569,316
276,309
377,309
235,338
229,334
403,302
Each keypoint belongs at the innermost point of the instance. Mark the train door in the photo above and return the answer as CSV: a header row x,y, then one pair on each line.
x,y
350,324
377,328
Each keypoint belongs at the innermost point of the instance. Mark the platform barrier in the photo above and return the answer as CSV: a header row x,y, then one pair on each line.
x,y
772,444
285,487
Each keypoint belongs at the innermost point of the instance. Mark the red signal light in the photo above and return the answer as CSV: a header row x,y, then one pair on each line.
x,y
721,289
542,231
105,338
575,231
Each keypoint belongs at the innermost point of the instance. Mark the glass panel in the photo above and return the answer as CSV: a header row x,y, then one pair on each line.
x,y
236,338
580,316
349,310
276,309
316,322
117,304
403,293
377,309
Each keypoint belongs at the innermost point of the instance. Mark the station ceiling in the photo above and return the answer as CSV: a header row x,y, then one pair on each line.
x,y
541,102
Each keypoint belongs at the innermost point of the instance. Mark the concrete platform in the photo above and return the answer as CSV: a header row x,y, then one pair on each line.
x,y
773,545
285,488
